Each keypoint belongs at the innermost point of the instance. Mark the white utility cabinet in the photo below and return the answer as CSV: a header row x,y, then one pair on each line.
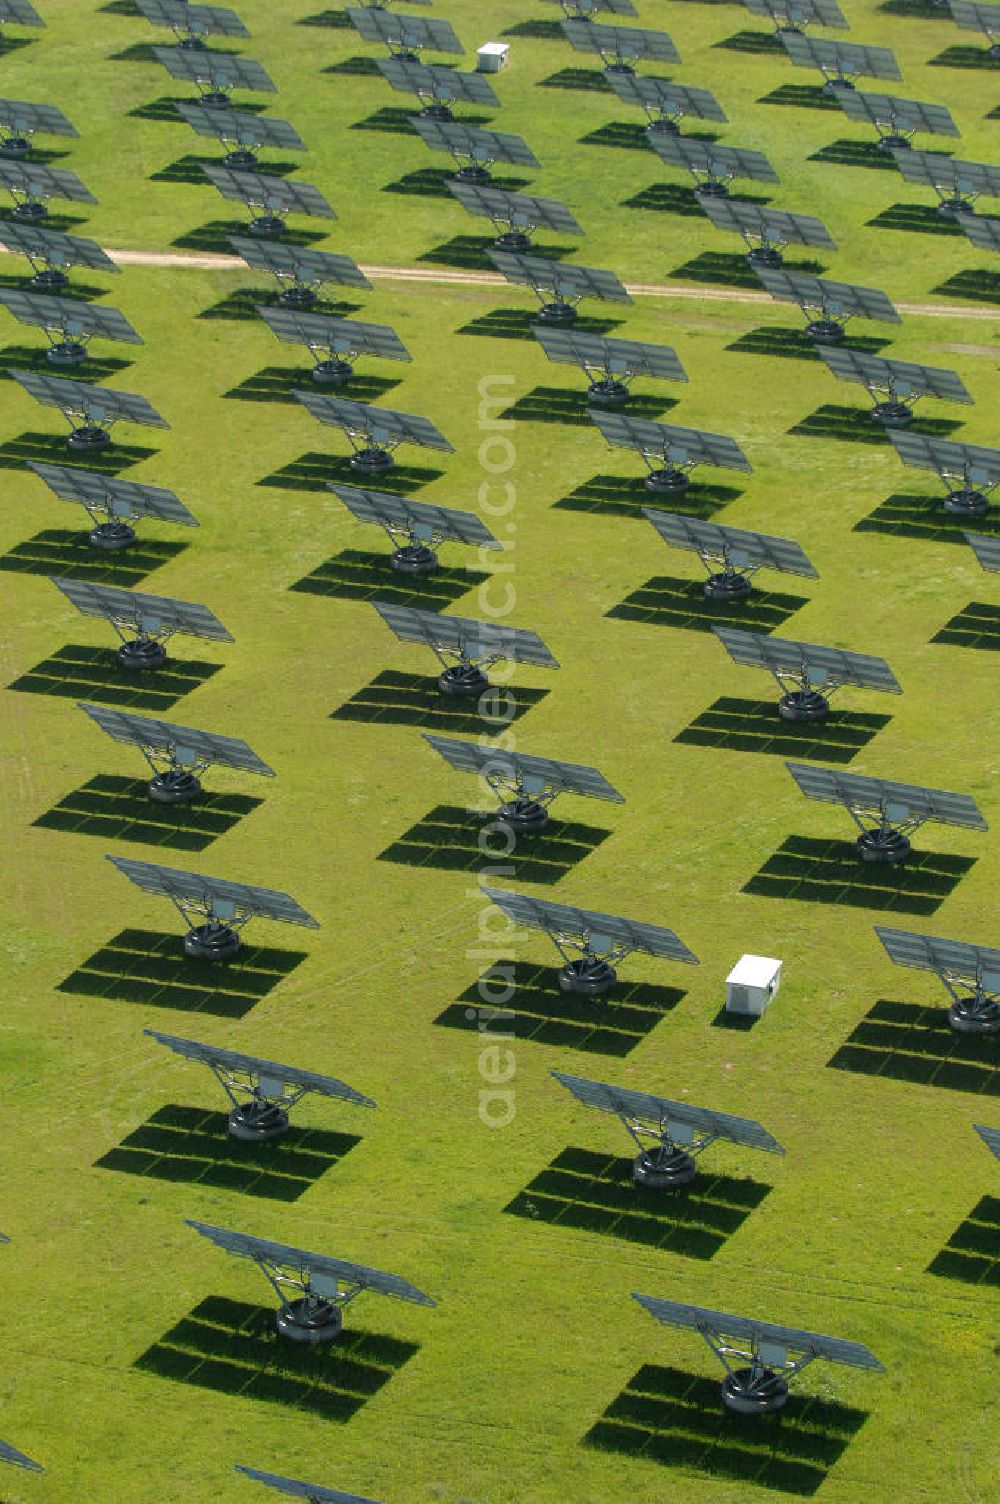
x,y
752,984
491,57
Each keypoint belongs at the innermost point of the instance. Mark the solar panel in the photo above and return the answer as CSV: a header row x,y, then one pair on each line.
x,y
458,634
819,667
417,518
625,1102
717,161
592,7
270,192
7,1452
668,99
380,425
70,316
907,115
21,12
344,337
98,404
184,742
404,31
800,12
519,210
901,378
990,1137
431,81
625,935
305,266
269,1070
834,298
54,248
681,446
898,800
566,281
621,358
842,59
955,959
986,550
533,773
970,17
983,231
311,1491
759,1333
194,20
144,612
936,171
219,69
469,141
214,893
971,461
631,42
771,226
242,1245
122,498
733,545
27,119
237,125
43,182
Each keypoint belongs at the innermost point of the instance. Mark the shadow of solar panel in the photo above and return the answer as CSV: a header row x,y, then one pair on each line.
x,y
733,270
142,52
972,1253
242,304
802,96
964,57
335,20
919,219
518,323
84,292
534,1008
755,726
356,576
234,1348
589,80
795,344
190,1146
354,67
395,120
855,425
553,404
923,10
457,840
679,198
633,137
542,31
844,153
83,673
667,602
470,251
763,42
976,626
120,8
909,516
277,384
432,182
187,170
813,871
738,1023
52,449
312,472
214,237
51,221
974,286
594,1193
33,358
62,552
147,967
904,1042
40,157
163,109
676,1419
616,497
119,809
396,699
12,44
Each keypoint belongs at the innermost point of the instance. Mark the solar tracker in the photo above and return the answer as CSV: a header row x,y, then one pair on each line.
x,y
792,15
7,1452
322,1285
896,120
217,72
514,214
611,364
153,618
764,230
957,183
275,195
304,271
732,555
311,1491
442,86
19,11
670,453
620,46
806,673
110,503
984,18
666,103
839,62
193,21
558,286
969,973
713,166
415,527
581,9
990,1137
99,407
525,785
667,1152
903,383
897,809
248,132
261,1092
476,645
481,148
49,251
31,186
976,467
763,1349
986,550
69,323
373,431
601,939
344,340
21,120
407,34
982,230
186,751
827,305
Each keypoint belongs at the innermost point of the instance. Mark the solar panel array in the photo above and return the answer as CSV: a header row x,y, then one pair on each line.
x,y
945,457
990,1137
982,231
21,11
744,1328
305,265
458,634
146,613
7,1452
220,69
601,929
799,12
194,20
519,210
632,42
898,114
668,99
404,31
44,182
898,800
269,192
311,1491
717,161
690,446
773,226
616,357
972,17
936,171
986,550
421,517
817,665
237,125
184,743
269,1070
431,81
99,404
40,119
470,141
214,893
565,280
840,58
735,545
342,336
955,959
835,298
534,773
125,498
71,316
900,377
640,1104
379,424
55,248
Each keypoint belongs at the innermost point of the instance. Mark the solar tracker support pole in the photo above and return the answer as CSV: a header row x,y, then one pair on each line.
x,y
882,842
266,226
30,211
15,147
976,1013
667,1165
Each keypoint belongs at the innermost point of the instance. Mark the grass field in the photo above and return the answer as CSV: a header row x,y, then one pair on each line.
x,y
138,1366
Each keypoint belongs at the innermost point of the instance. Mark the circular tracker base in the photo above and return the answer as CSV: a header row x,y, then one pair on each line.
x,y
524,815
619,68
31,212
826,332
241,157
68,352
557,313
966,502
764,255
667,480
608,393
803,705
309,1320
711,189
463,679
89,437
414,558
788,31
297,297
769,1393
371,461
836,85
893,143
50,280
111,536
16,146
437,112
175,787
589,977
994,49
882,846
332,372
214,100
256,1122
966,1018
663,127
192,44
892,414
512,240
472,173
142,654
953,207
267,226
211,942
402,57
662,1171
727,587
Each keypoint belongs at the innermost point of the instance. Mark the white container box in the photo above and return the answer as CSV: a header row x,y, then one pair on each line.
x,y
491,57
752,984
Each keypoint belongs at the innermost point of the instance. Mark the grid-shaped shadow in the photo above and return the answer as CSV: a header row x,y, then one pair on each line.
x,y
312,471
457,840
677,1419
469,251
632,137
142,52
536,1009
919,219
85,292
733,270
242,304
432,182
979,286
812,871
795,344
355,67
62,552
855,425
588,80
120,8
844,153
356,576
518,323
964,57
214,236
33,358
83,673
336,20
801,96
667,602
596,1193
163,110
541,31
51,221
680,198
764,43
977,625
916,10
972,1253
755,726
119,809
191,1146
556,404
234,1348
188,170
52,449
396,121
616,497
13,44
394,699
906,515
905,1042
148,967
277,383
